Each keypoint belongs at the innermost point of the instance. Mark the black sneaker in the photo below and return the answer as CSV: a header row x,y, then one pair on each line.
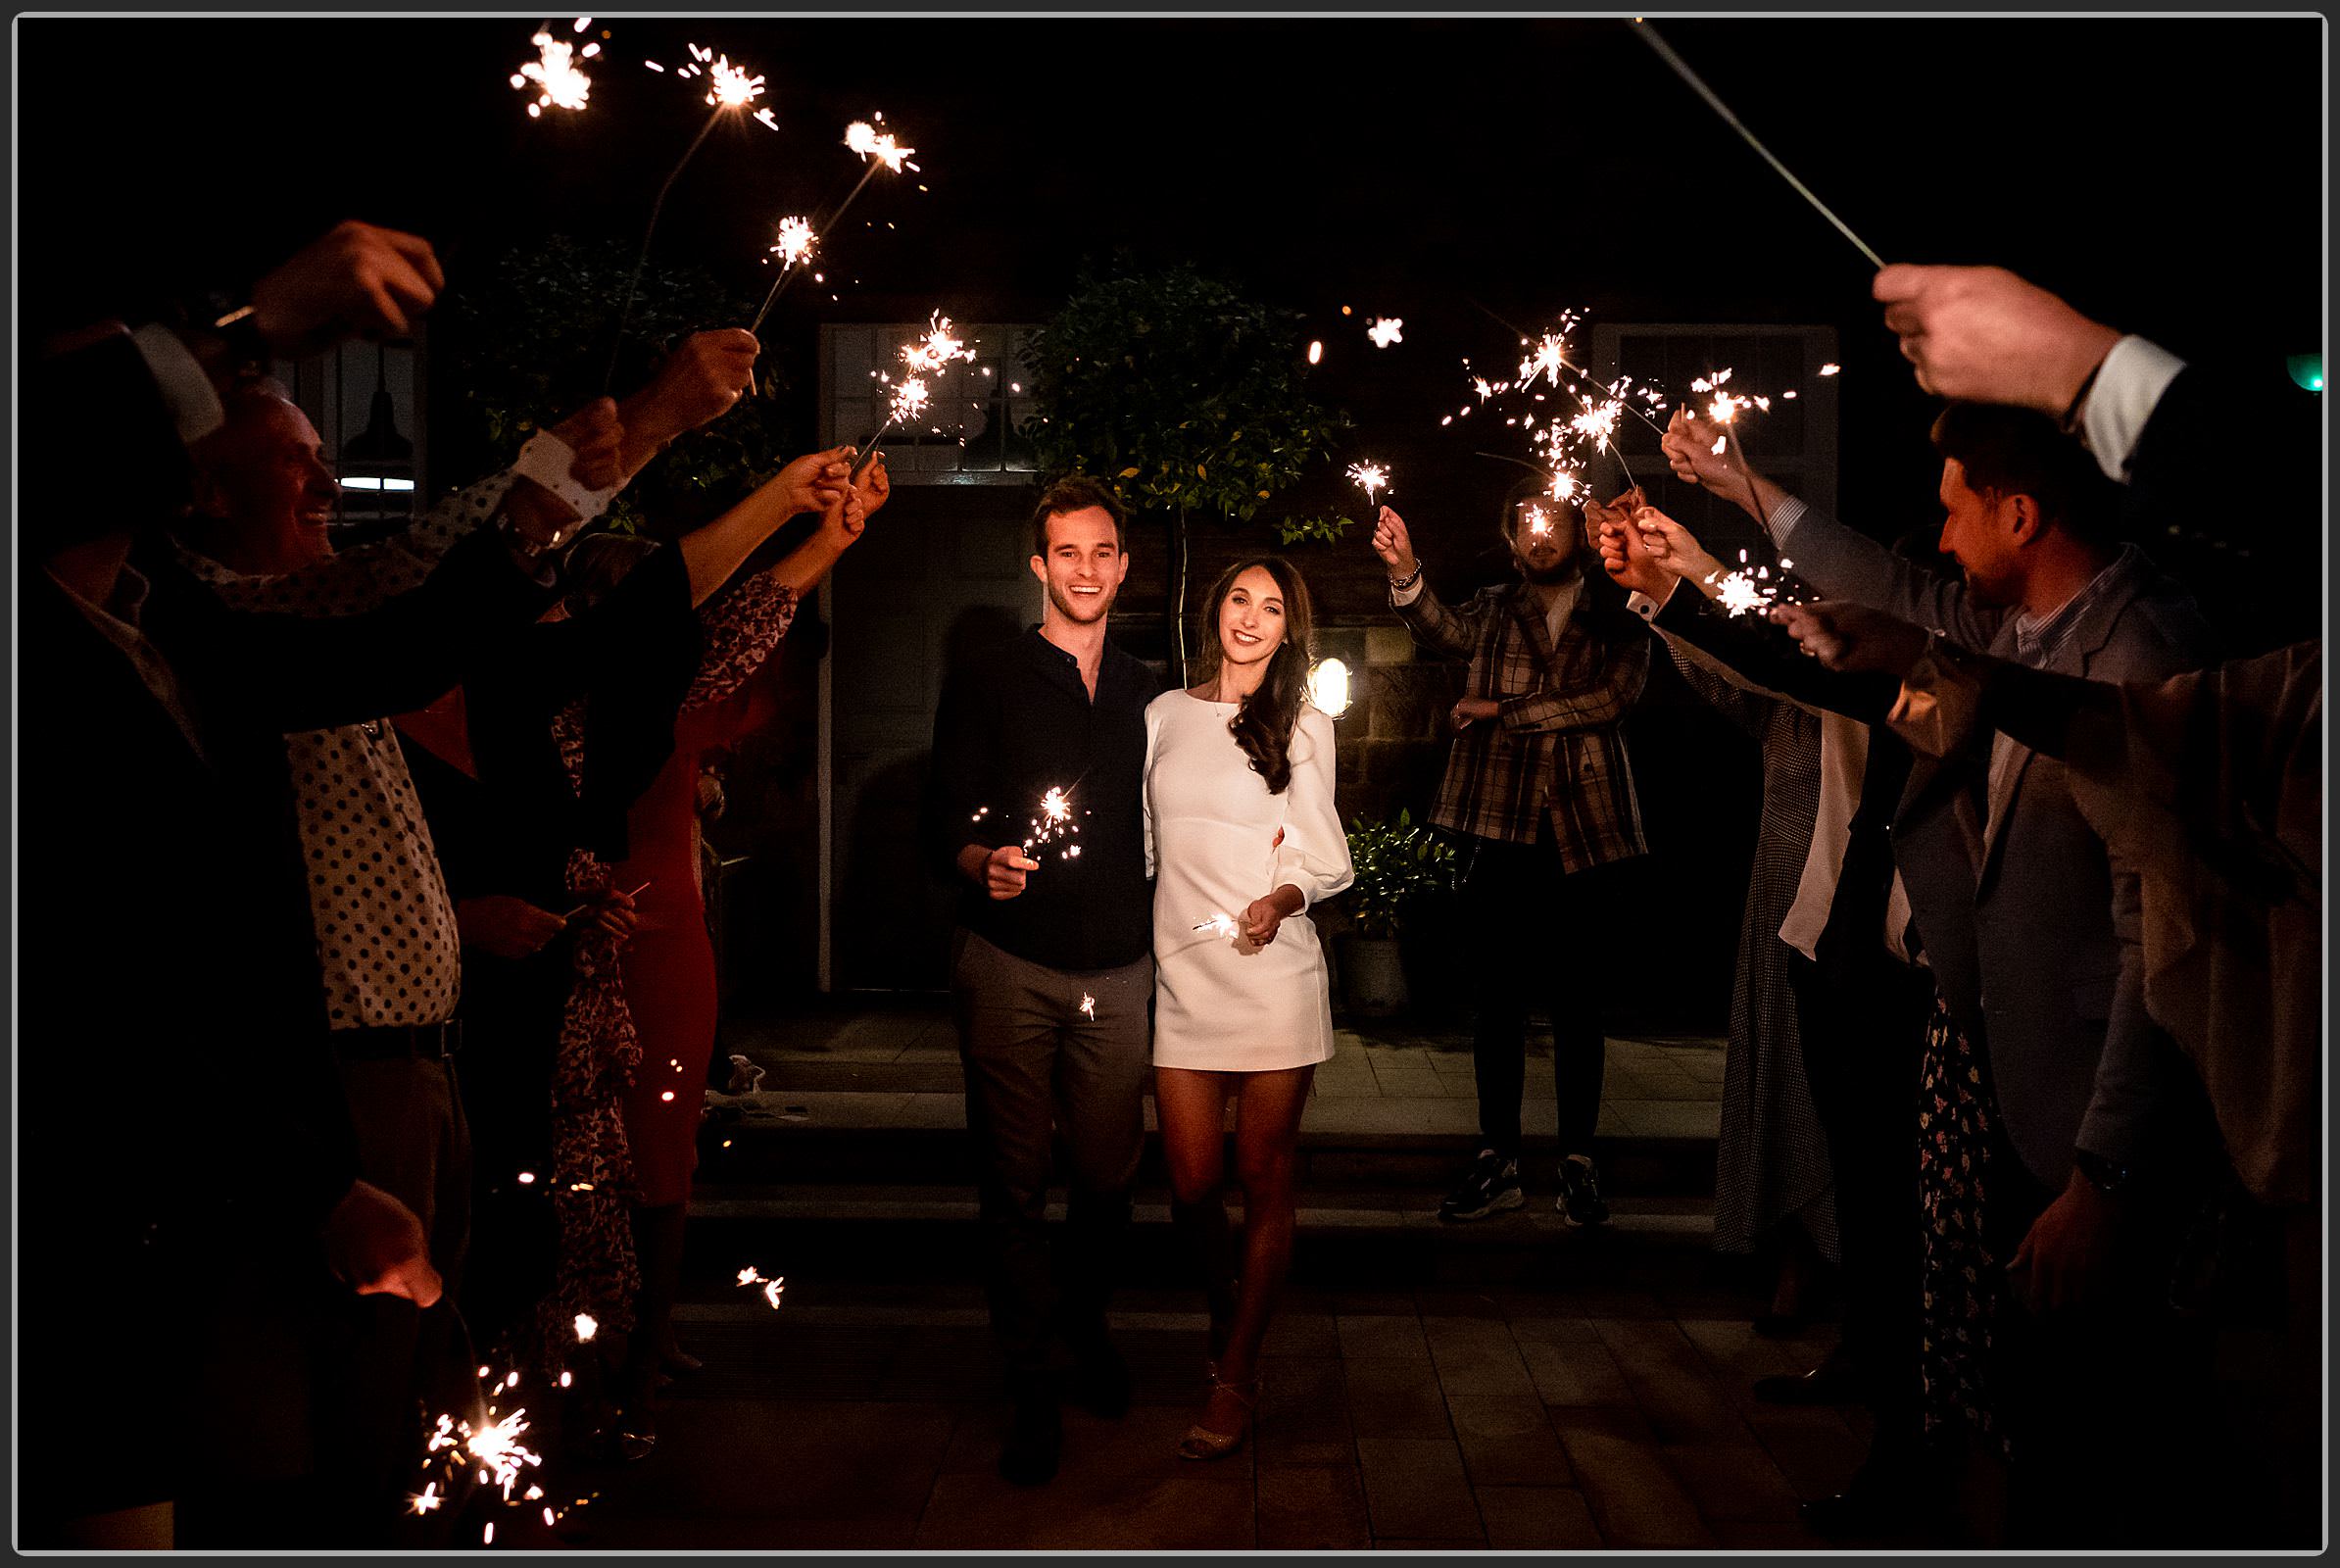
x,y
1579,1200
1492,1185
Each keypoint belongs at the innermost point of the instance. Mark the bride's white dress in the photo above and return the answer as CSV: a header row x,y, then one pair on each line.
x,y
1216,840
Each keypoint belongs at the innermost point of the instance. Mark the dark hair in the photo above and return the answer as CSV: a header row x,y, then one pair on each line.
x,y
597,564
2021,452
1263,726
1076,493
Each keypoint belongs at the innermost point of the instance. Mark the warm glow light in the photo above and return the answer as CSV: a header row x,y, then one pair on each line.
x,y
1316,352
560,82
1386,330
794,241
1328,687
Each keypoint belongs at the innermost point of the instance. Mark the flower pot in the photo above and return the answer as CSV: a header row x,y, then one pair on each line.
x,y
1372,977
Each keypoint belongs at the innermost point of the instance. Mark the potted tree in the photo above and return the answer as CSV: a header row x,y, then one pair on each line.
x,y
1402,872
1185,396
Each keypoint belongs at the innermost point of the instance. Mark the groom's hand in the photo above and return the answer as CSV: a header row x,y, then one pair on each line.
x,y
998,873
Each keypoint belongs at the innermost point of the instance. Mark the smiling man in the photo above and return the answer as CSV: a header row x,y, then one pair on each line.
x,y
1035,809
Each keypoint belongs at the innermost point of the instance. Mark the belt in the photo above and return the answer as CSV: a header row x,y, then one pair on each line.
x,y
388,1042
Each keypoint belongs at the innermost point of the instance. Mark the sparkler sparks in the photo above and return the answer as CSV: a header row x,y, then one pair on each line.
x,y
426,1499
937,348
1386,330
771,1287
1370,477
1089,1007
872,143
1222,924
794,241
1540,524
559,78
586,1328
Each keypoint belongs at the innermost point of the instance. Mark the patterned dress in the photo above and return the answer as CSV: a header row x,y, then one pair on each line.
x,y
1965,1280
595,1185
1771,1158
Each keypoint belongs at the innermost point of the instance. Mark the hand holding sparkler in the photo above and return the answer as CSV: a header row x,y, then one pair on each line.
x,y
1394,546
1261,916
1671,547
596,436
356,278
1625,554
613,912
1853,637
506,927
814,483
698,382
999,872
1981,334
376,1244
1698,451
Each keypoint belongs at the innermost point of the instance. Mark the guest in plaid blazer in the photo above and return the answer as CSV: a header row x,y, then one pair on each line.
x,y
1539,787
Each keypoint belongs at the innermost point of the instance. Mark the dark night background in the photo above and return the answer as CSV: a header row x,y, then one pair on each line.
x,y
2164,175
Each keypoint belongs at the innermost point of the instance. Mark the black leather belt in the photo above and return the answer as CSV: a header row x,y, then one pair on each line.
x,y
388,1042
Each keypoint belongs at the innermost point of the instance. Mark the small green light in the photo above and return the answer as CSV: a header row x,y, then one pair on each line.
x,y
2307,372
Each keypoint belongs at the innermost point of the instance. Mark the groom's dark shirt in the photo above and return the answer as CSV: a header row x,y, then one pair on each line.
x,y
1011,727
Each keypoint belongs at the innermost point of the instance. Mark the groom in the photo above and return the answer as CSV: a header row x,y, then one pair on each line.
x,y
1053,968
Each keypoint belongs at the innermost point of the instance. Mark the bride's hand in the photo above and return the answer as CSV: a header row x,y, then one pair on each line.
x,y
1259,921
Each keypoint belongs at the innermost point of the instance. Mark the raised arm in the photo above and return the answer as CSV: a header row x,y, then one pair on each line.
x,y
1433,623
1841,562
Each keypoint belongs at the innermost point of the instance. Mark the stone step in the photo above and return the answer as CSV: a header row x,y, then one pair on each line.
x,y
1385,1239
805,1136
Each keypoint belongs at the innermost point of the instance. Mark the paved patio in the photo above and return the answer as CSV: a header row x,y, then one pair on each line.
x,y
862,1417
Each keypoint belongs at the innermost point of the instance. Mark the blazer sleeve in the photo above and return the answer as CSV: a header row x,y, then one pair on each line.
x,y
296,674
352,581
1313,855
1762,653
1445,630
1602,701
1845,564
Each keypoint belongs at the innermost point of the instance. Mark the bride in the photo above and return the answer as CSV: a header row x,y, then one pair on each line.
x,y
1244,839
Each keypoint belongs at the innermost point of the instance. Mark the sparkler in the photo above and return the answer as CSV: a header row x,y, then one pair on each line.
x,y
1089,1007
587,1328
877,149
1386,330
557,70
1223,924
729,87
792,243
1054,819
1649,36
771,1287
1370,477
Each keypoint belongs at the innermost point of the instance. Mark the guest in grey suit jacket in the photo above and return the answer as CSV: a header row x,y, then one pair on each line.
x,y
2033,934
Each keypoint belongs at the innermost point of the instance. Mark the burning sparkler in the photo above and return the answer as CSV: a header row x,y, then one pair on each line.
x,y
1370,477
771,1288
729,87
792,243
558,73
1089,1007
586,1327
876,148
1222,924
1386,330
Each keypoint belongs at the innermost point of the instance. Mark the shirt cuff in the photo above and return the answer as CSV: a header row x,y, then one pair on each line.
x,y
1642,604
1402,597
1783,518
2129,384
185,386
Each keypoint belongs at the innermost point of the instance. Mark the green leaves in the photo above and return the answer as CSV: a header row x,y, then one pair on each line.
x,y
529,336
1155,376
1404,872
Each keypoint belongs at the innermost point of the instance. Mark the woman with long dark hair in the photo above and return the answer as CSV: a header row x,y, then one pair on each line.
x,y
1244,839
